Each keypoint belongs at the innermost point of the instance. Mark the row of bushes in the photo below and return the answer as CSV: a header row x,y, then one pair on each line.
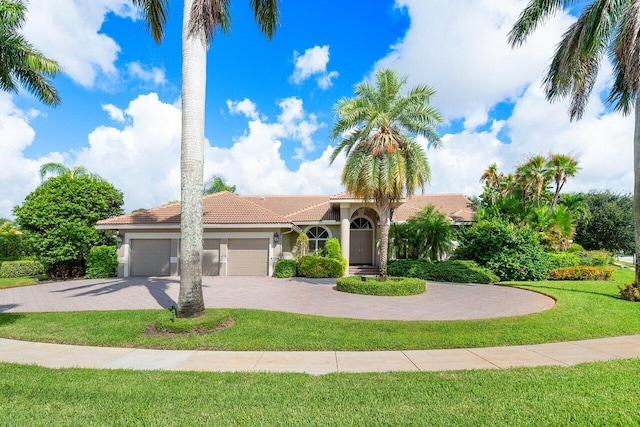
x,y
24,268
458,271
393,286
329,263
101,262
581,273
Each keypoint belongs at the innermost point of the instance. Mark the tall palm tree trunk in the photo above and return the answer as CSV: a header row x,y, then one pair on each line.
x,y
636,189
190,299
385,225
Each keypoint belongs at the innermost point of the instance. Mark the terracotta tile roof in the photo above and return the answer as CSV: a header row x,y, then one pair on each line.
x,y
286,205
218,208
456,206
229,208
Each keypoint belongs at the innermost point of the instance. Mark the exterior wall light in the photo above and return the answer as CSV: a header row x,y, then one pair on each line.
x,y
276,238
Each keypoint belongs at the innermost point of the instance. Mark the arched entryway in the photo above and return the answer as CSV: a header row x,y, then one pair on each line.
x,y
361,251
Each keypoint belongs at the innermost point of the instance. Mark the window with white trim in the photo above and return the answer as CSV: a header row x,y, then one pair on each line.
x,y
317,238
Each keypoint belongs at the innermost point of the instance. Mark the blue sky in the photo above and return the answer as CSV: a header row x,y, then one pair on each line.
x,y
269,103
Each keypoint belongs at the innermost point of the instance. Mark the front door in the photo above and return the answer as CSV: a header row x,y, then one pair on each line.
x,y
361,242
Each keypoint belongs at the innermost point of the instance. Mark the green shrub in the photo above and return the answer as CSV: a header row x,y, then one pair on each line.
x,y
20,269
595,258
630,292
529,263
393,286
513,253
210,322
102,262
581,273
575,248
420,268
563,259
332,248
285,268
320,267
458,271
11,245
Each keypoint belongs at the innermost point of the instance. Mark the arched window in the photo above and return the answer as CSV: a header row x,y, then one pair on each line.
x,y
361,224
317,238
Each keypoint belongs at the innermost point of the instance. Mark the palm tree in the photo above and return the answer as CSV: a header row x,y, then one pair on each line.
x,y
377,129
433,233
50,169
555,227
216,184
533,176
200,20
603,28
561,167
20,62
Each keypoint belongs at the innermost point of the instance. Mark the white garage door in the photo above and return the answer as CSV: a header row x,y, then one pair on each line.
x,y
211,257
150,257
248,257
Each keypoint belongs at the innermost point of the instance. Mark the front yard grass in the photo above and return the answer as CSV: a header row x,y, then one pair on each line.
x,y
590,309
606,393
16,282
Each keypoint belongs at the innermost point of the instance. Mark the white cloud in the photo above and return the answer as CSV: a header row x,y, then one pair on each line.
x,y
114,112
463,53
326,80
68,31
245,107
155,75
313,61
19,175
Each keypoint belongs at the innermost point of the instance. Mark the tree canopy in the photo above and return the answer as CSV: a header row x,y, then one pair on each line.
x,y
610,226
58,220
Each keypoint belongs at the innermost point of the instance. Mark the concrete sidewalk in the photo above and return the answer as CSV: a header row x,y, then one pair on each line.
x,y
320,362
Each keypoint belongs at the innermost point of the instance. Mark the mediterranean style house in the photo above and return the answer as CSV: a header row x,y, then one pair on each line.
x,y
246,235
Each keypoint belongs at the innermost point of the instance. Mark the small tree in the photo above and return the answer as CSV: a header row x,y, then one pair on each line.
x,y
302,246
432,232
58,221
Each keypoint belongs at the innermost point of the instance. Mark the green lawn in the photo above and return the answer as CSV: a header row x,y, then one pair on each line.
x,y
14,283
606,393
583,310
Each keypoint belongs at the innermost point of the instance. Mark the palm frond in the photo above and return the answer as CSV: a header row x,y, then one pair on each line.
x,y
155,16
207,16
533,15
267,16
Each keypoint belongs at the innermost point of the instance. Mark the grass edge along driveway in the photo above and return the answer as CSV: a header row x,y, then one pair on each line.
x,y
589,309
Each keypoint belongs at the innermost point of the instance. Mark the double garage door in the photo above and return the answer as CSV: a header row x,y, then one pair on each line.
x,y
245,257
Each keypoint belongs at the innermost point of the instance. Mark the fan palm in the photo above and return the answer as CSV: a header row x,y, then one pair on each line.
x,y
433,233
377,130
533,176
561,167
20,62
201,19
603,27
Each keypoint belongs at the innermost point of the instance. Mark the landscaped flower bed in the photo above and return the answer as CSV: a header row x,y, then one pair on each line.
x,y
393,286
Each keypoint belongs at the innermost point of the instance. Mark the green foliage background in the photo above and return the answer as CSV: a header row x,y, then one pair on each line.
x,y
58,218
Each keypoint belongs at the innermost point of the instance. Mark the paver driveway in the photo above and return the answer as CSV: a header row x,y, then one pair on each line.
x,y
442,301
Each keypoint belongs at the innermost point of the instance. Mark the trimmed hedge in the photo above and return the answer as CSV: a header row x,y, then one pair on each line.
x,y
10,269
102,262
459,271
285,268
563,260
319,267
581,273
595,258
393,286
